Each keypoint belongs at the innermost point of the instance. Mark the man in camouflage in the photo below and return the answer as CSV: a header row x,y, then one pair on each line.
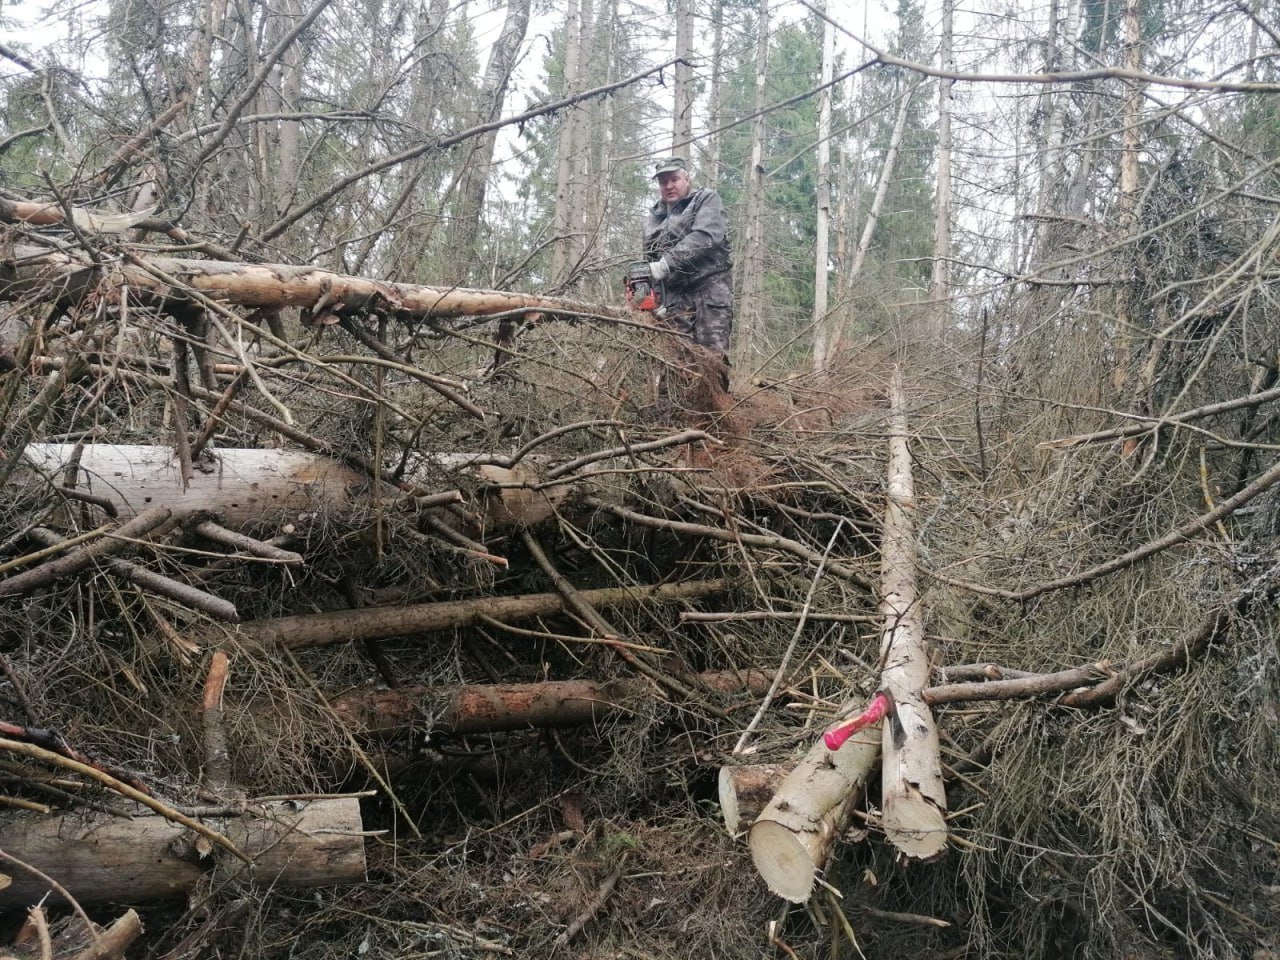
x,y
686,241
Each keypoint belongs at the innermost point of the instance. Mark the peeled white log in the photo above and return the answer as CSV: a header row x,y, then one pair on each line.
x,y
244,487
252,487
98,858
913,800
792,839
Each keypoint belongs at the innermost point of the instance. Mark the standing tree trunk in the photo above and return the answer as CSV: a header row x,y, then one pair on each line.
x,y
567,147
1128,205
288,131
682,117
751,313
821,328
427,89
475,177
939,309
832,335
711,168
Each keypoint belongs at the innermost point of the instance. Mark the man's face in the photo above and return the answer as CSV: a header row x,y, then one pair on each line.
x,y
673,186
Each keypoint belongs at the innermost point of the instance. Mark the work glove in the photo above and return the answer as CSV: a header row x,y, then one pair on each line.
x,y
659,269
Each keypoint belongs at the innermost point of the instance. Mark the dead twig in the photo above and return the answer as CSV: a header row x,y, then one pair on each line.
x,y
592,908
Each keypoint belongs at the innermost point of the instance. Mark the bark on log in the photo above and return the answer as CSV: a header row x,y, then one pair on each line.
x,y
913,797
487,708
270,286
792,839
380,623
99,858
745,791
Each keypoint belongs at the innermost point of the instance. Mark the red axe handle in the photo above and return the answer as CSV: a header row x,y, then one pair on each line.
x,y
880,704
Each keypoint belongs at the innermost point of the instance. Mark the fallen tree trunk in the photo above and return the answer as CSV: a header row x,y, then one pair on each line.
x,y
98,858
380,623
249,487
793,837
913,797
245,487
488,708
161,282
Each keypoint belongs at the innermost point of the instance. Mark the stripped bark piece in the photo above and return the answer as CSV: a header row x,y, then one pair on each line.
x,y
217,756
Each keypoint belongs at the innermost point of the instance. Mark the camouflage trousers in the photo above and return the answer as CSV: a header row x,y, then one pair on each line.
x,y
705,313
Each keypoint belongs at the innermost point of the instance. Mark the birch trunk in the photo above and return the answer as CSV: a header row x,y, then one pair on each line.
x,y
913,799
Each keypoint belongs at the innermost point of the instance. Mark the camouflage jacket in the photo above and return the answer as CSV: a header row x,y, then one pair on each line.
x,y
693,235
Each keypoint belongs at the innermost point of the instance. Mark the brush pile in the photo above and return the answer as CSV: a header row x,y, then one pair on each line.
x,y
378,620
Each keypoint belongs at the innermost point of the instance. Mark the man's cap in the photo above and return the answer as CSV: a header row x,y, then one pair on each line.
x,y
670,165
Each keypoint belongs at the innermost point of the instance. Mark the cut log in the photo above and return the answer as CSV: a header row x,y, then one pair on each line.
x,y
488,708
746,790
99,858
913,798
269,286
793,837
380,623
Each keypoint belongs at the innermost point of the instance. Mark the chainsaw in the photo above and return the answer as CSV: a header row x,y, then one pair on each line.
x,y
642,292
